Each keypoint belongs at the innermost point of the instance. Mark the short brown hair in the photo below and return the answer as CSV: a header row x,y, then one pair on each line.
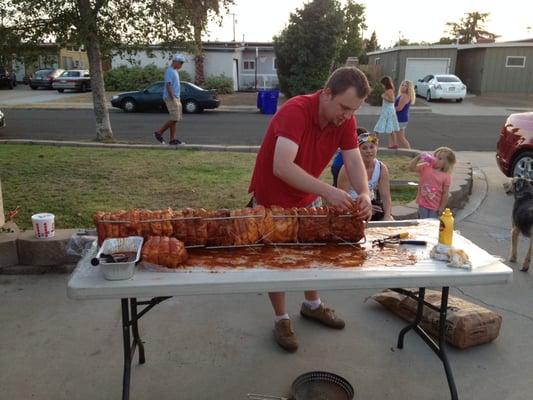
x,y
345,77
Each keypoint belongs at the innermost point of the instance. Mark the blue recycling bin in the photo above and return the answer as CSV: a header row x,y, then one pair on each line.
x,y
261,99
270,101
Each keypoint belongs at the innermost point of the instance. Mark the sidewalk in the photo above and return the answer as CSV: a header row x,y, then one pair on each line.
x,y
246,102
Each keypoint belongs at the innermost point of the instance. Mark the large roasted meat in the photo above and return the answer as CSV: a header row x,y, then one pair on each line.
x,y
313,225
163,250
198,227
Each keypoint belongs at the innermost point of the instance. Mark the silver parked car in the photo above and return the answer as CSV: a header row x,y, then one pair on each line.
x,y
73,79
441,87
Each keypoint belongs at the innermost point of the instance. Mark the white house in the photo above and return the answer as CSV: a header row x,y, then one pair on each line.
x,y
250,65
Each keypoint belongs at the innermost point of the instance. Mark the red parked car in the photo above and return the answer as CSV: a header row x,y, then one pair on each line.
x,y
514,152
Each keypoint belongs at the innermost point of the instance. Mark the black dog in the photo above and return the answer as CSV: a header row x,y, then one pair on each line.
x,y
522,217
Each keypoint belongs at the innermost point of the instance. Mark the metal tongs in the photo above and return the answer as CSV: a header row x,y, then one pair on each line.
x,y
397,239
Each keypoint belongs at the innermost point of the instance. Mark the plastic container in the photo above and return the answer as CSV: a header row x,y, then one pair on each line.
x,y
428,158
446,228
270,101
43,225
260,99
120,270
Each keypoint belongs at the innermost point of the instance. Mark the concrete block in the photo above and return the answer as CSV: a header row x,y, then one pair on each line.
x,y
408,211
45,252
8,249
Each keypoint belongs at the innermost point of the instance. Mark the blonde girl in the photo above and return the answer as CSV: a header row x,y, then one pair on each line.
x,y
405,99
435,179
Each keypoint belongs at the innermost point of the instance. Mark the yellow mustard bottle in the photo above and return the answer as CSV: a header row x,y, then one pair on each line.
x,y
446,228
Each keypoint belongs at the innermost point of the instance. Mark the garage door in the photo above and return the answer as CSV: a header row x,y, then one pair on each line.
x,y
417,68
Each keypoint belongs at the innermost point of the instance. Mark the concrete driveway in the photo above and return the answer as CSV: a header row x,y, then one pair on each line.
x,y
220,347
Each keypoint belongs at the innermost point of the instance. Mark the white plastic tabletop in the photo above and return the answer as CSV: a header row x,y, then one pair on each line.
x,y
87,281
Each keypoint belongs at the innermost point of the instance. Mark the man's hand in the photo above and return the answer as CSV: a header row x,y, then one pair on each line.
x,y
364,205
338,198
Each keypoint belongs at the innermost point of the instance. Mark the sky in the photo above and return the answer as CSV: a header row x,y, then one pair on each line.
x,y
414,20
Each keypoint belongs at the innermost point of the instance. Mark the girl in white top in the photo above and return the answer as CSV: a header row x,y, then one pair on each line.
x,y
378,178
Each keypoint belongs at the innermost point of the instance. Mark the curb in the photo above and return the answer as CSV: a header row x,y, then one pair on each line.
x,y
89,106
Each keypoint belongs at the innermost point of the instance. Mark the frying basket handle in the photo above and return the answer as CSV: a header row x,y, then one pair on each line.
x,y
255,396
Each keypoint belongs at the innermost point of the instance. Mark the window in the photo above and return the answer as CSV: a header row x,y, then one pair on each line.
x,y
248,65
155,88
515,62
275,63
448,79
377,61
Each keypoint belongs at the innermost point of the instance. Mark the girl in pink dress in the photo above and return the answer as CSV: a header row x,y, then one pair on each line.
x,y
434,182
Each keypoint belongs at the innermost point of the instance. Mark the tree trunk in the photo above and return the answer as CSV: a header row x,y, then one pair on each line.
x,y
94,54
199,70
101,113
198,55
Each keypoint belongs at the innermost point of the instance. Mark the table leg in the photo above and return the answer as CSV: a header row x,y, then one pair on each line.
x,y
127,349
442,342
418,317
130,329
135,330
438,348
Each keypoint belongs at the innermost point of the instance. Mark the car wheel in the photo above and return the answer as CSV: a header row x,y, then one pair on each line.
x,y
458,100
60,90
191,106
523,165
33,87
428,96
83,87
129,105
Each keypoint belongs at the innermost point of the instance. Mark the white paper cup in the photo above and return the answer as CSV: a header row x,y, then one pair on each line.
x,y
43,225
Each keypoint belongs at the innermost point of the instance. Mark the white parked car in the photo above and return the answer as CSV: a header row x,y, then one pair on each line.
x,y
73,79
2,119
441,87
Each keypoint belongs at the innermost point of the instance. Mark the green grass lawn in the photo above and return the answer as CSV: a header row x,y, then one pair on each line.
x,y
73,183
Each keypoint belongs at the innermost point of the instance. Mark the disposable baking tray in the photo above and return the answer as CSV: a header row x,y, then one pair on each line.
x,y
120,270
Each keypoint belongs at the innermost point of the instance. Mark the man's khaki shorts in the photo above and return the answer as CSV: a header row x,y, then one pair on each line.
x,y
174,109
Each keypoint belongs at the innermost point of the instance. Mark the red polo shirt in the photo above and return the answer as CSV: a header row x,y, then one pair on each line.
x,y
298,121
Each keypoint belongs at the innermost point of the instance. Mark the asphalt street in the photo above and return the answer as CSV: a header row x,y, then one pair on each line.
x,y
426,131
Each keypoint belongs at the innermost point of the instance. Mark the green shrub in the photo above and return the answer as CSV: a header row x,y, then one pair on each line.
x,y
375,97
185,76
126,78
221,83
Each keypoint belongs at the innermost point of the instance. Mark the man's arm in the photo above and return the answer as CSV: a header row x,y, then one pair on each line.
x,y
356,171
291,173
170,91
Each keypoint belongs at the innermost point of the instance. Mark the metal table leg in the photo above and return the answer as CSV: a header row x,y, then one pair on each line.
x,y
440,347
130,335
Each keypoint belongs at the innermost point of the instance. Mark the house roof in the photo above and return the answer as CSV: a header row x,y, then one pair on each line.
x,y
524,43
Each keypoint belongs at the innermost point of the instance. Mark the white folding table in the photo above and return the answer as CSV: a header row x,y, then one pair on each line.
x,y
87,282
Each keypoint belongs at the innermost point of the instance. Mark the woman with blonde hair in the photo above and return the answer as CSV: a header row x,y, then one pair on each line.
x,y
406,98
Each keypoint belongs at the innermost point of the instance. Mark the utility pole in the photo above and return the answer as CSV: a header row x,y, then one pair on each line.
x,y
234,22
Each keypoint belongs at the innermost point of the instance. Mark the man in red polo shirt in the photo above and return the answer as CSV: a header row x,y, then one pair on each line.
x,y
301,139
